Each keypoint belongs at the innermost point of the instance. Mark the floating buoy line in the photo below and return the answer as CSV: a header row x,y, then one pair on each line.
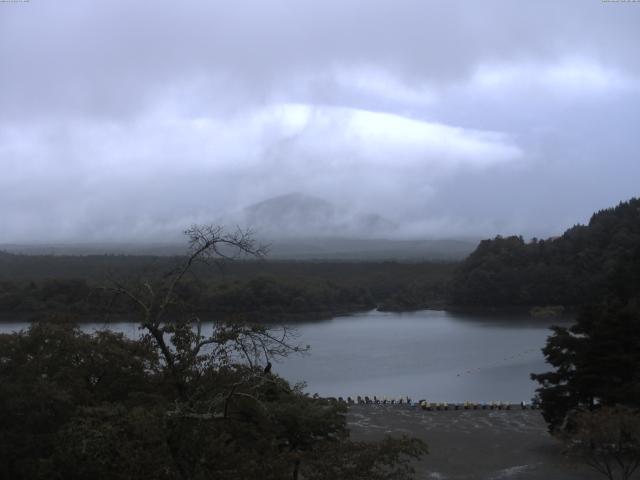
x,y
497,363
424,404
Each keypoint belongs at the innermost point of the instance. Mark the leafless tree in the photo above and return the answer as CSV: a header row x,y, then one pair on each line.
x,y
185,349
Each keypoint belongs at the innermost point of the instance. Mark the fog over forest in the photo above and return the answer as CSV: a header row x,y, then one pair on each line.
x,y
128,121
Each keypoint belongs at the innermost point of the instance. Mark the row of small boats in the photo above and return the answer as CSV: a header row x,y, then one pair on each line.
x,y
426,405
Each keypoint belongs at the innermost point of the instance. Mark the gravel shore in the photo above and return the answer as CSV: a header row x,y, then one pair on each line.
x,y
473,444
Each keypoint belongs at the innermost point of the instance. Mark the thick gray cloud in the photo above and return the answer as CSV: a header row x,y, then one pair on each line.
x,y
129,120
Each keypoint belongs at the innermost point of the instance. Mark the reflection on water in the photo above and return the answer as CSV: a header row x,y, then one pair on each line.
x,y
435,355
428,354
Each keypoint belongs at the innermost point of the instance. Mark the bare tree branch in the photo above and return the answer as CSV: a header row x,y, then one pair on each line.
x,y
182,343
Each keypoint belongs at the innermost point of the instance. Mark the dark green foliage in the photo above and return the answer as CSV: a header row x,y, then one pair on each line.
x,y
569,270
259,290
49,373
77,406
268,295
417,295
597,360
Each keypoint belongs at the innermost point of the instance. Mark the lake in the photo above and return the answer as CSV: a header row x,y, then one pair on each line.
x,y
440,356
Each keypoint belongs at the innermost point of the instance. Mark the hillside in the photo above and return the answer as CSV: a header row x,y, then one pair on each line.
x,y
568,270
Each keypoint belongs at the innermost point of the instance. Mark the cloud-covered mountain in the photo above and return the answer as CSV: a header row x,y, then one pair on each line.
x,y
452,119
306,227
294,226
300,215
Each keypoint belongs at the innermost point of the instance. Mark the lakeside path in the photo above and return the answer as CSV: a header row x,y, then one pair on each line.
x,y
473,444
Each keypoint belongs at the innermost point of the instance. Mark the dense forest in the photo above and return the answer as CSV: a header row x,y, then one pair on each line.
x,y
261,290
568,270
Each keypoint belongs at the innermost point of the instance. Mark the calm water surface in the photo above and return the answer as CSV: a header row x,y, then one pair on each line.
x,y
436,355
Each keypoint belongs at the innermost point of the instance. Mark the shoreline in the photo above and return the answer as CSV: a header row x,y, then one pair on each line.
x,y
287,318
250,317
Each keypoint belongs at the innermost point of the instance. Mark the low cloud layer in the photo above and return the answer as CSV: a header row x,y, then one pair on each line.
x,y
124,121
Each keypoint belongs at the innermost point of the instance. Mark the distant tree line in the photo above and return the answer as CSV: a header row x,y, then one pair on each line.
x,y
262,296
261,290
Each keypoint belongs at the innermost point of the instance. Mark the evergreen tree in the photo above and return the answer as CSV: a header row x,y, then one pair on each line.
x,y
597,360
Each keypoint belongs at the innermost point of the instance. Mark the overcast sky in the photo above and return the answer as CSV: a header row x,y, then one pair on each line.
x,y
129,120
